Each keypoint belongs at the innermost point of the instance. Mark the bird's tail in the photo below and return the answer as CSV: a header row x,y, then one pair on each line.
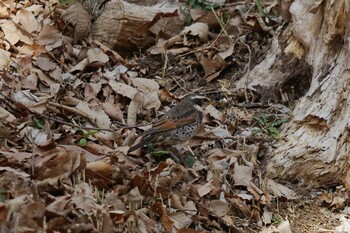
x,y
147,139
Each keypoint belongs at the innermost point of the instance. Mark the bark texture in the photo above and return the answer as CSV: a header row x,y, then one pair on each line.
x,y
315,148
126,26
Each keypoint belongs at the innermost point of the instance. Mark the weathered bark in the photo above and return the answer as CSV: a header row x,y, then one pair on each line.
x,y
315,145
125,26
283,75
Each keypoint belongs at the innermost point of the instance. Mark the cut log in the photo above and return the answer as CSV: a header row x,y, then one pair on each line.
x,y
124,26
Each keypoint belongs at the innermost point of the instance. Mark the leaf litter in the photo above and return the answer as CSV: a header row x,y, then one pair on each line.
x,y
59,87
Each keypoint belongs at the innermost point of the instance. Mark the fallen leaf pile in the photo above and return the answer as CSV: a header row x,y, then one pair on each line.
x,y
66,101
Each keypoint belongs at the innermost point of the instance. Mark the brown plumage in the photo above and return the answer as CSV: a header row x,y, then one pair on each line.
x,y
178,125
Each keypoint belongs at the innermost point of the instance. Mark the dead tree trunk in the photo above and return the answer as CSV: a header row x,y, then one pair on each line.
x,y
315,145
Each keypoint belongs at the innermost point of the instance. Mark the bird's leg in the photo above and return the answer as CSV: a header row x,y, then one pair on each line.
x,y
179,155
190,150
176,155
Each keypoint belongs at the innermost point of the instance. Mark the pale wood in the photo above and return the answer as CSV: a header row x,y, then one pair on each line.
x,y
126,26
315,148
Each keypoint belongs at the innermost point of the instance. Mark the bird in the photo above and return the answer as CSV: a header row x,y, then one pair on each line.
x,y
177,125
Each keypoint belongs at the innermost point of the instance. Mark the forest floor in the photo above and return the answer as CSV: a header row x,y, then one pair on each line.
x,y
67,103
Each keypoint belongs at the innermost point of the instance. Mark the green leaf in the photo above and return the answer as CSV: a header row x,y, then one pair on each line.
x,y
89,133
39,123
66,1
160,153
274,132
188,19
2,197
83,142
190,160
256,130
262,119
276,219
279,122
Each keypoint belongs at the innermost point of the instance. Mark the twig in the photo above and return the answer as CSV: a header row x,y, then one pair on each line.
x,y
252,105
124,126
121,125
183,88
74,125
221,25
223,30
165,64
190,52
217,138
248,70
74,110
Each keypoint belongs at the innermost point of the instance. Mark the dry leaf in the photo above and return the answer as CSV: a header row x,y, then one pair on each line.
x,y
80,66
187,230
45,64
44,78
212,66
13,33
284,227
205,189
280,190
39,137
14,171
134,196
50,36
224,152
242,175
197,29
4,59
219,207
58,206
79,17
197,13
97,55
95,114
214,113
5,115
101,167
114,111
176,202
56,164
27,20
267,216
180,220
228,52
91,90
151,100
4,11
134,107
30,82
190,208
145,85
82,151
123,89
31,50
30,100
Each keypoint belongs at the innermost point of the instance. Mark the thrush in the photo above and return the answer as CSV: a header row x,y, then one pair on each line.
x,y
177,125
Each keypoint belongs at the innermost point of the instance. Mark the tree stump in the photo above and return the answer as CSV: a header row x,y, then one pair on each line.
x,y
315,145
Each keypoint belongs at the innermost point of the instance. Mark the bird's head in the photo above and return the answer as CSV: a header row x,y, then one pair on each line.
x,y
197,99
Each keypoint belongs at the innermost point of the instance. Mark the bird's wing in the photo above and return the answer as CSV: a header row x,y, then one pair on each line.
x,y
167,124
